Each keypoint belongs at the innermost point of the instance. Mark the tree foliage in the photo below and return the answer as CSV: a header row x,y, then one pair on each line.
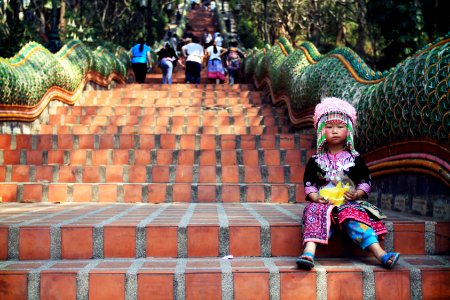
x,y
117,21
248,34
383,33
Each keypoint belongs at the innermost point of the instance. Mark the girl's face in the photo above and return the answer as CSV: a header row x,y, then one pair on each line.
x,y
335,133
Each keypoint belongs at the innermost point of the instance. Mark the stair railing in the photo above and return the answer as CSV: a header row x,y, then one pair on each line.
x,y
403,113
34,76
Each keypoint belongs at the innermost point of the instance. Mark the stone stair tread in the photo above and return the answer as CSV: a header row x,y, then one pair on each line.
x,y
142,192
135,87
155,141
288,212
140,129
121,157
107,230
217,278
171,246
173,111
238,264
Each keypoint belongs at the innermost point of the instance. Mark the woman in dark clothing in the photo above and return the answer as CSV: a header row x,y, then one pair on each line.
x,y
167,59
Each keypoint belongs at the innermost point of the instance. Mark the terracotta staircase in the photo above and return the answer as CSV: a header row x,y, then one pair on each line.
x,y
141,192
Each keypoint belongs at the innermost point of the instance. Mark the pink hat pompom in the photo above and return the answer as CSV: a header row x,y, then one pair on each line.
x,y
334,105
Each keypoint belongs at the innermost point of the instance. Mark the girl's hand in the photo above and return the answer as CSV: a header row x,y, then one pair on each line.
x,y
352,195
315,197
322,200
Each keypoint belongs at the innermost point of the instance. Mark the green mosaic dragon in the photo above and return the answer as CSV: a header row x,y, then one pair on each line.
x,y
404,115
35,76
404,111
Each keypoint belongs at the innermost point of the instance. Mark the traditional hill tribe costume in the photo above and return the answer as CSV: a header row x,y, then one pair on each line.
x,y
361,219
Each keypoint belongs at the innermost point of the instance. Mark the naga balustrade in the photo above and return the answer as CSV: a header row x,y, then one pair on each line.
x,y
35,76
403,113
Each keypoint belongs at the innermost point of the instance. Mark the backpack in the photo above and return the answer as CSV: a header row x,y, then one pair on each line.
x,y
233,60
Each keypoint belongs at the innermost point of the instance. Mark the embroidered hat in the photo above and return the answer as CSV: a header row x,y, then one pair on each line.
x,y
334,109
334,105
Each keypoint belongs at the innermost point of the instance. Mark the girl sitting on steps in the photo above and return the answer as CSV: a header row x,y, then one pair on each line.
x,y
336,180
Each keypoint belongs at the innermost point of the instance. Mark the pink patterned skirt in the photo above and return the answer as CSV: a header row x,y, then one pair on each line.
x,y
318,218
215,69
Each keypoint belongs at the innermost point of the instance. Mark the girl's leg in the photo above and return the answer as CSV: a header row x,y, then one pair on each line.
x,y
317,228
310,247
306,259
365,237
376,250
388,260
360,233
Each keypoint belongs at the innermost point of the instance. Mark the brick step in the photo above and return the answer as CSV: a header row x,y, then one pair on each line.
x,y
415,277
152,141
237,111
192,88
200,22
161,120
155,92
180,115
203,174
156,76
165,101
198,17
150,129
88,157
138,189
155,120
189,122
177,72
178,75
107,230
178,89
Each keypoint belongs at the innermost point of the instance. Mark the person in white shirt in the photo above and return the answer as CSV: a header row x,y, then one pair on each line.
x,y
215,66
194,54
212,7
206,38
218,40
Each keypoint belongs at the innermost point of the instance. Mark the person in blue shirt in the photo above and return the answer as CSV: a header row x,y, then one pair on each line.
x,y
140,57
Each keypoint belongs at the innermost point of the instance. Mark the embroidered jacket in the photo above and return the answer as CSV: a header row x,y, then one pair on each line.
x,y
328,169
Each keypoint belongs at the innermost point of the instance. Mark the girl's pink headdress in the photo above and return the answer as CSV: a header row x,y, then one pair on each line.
x,y
334,109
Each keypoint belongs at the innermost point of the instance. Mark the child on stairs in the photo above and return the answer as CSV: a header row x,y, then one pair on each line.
x,y
337,173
